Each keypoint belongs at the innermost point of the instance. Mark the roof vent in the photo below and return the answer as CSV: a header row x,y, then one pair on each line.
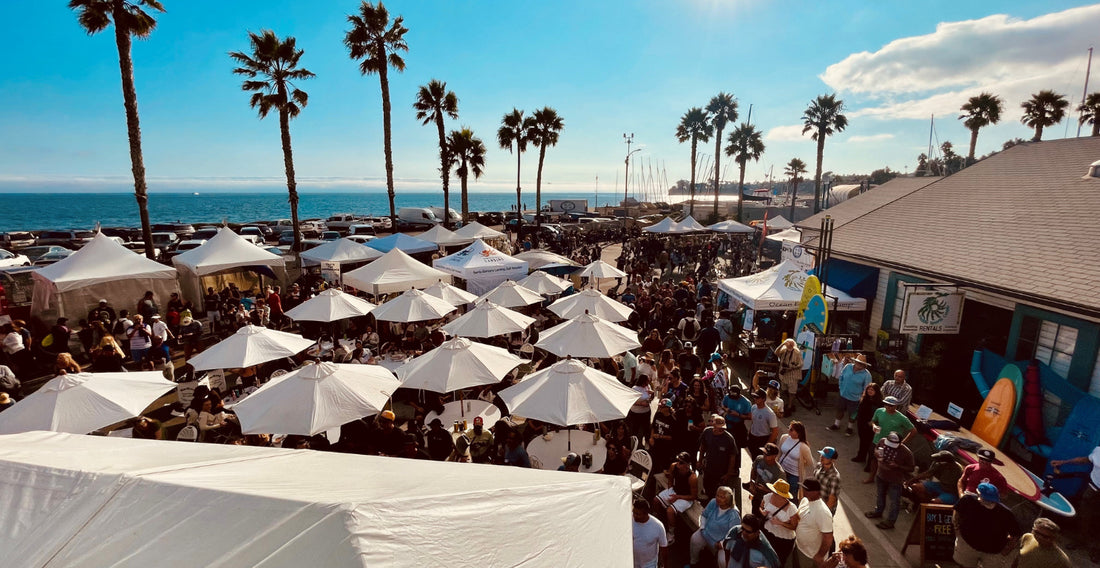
x,y
1094,170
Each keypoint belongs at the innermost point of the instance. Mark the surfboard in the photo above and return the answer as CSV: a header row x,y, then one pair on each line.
x,y
1080,434
1054,502
997,412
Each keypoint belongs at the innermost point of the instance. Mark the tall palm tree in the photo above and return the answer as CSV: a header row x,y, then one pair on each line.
x,y
467,153
1090,112
545,129
376,40
271,70
433,101
695,127
130,21
794,169
513,130
1045,108
981,111
824,118
721,109
745,143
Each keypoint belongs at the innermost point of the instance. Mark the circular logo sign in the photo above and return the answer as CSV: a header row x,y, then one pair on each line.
x,y
568,206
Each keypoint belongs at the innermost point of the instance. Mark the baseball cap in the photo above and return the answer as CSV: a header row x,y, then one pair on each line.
x,y
666,402
103,301
156,316
735,390
771,449
891,401
479,421
717,417
436,422
811,485
760,393
715,357
388,415
986,454
828,452
774,384
893,440
571,459
988,492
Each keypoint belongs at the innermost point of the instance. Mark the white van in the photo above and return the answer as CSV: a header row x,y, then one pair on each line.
x,y
453,217
416,218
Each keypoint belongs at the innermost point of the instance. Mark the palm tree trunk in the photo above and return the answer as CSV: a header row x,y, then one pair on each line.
x,y
794,196
445,172
133,128
1096,126
691,189
817,176
1038,133
465,197
384,80
717,171
519,198
538,187
740,191
291,185
973,144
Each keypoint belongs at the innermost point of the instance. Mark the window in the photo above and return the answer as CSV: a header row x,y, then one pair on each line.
x,y
899,304
1048,342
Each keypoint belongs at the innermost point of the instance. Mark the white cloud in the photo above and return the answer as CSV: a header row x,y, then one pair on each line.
x,y
871,138
786,134
918,76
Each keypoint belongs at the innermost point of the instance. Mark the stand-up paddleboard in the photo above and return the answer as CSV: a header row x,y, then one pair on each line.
x,y
1052,501
1080,434
997,412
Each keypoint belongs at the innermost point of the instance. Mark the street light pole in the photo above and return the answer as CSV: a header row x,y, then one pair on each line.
x,y
626,181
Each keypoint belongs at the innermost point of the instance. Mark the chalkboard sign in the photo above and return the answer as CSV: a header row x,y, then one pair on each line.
x,y
933,531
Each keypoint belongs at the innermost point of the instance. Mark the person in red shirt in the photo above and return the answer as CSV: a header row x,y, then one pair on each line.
x,y
275,304
976,473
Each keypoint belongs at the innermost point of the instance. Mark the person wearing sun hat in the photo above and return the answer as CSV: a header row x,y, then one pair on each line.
x,y
986,531
781,515
984,470
854,378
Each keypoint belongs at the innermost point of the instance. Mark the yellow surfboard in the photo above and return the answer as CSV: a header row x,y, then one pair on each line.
x,y
996,414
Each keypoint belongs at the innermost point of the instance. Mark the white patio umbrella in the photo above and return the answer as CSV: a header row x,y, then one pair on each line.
x,y
457,364
316,398
569,393
251,345
413,305
511,295
330,305
588,336
730,227
601,269
545,283
488,320
451,294
83,402
593,302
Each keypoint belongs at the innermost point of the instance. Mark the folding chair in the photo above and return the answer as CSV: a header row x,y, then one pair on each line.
x,y
640,465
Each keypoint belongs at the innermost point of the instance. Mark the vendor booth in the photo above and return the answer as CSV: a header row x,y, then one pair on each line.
x,y
394,272
225,258
780,288
101,270
482,267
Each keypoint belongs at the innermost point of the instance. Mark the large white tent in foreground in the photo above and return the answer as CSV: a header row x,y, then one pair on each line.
x,y
75,500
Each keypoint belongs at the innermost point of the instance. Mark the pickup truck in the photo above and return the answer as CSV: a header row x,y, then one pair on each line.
x,y
342,222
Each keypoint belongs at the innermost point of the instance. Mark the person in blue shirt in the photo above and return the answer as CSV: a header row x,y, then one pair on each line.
x,y
854,378
719,516
737,409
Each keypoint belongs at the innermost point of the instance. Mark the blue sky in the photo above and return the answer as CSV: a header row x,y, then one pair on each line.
x,y
608,67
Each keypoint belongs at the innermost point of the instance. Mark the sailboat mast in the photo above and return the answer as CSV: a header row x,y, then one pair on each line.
x,y
1088,71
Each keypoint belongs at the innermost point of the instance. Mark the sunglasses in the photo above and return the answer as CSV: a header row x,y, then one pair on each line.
x,y
747,531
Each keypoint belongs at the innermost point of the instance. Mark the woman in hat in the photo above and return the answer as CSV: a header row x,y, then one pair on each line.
x,y
781,518
5,401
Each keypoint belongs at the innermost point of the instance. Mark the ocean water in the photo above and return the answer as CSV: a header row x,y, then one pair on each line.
x,y
35,211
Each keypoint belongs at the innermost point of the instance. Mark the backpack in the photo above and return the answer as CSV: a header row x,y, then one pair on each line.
x,y
120,326
689,328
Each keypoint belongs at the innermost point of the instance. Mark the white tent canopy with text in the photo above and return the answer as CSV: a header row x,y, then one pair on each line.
x,y
481,266
780,288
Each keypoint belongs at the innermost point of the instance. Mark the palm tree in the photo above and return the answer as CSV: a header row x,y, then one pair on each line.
x,y
981,111
795,168
745,143
824,119
546,126
1045,108
467,153
721,109
376,40
271,69
1090,112
130,20
433,101
514,129
693,126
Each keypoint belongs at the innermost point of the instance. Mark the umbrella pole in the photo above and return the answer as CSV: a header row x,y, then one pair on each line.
x,y
569,438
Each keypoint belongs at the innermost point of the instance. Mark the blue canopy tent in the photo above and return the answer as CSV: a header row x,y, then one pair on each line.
x,y
404,243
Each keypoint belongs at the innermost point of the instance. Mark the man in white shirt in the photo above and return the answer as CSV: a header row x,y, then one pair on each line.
x,y
1090,499
160,329
630,368
650,543
814,536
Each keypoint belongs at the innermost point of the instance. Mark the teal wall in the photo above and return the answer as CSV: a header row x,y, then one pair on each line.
x,y
1084,352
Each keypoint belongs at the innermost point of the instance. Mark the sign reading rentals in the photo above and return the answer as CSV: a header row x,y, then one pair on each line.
x,y
932,309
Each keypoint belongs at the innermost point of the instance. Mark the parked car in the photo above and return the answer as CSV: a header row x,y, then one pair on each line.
x,y
204,234
71,239
384,223
16,289
416,218
287,237
182,230
165,240
15,240
253,239
361,239
342,222
125,233
139,247
330,236
8,258
254,231
36,252
52,257
182,247
362,229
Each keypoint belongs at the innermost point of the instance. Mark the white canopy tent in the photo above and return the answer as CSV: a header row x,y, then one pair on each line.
x,y
224,252
394,272
780,288
791,234
730,226
475,230
778,223
481,266
690,225
344,251
539,259
663,227
101,270
98,501
442,236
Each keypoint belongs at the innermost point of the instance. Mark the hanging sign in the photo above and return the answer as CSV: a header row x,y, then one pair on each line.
x,y
932,310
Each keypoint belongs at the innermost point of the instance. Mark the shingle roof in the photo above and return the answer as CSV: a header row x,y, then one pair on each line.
x,y
1025,222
